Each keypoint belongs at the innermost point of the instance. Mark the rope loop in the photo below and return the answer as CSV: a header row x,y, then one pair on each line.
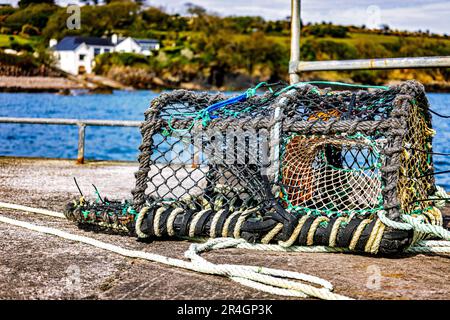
x,y
440,197
415,224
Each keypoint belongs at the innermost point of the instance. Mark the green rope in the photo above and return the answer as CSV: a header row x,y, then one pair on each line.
x,y
204,115
343,84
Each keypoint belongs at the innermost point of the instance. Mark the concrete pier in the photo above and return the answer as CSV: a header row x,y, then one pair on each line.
x,y
39,266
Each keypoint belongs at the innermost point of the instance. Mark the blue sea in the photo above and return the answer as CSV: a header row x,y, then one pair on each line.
x,y
116,143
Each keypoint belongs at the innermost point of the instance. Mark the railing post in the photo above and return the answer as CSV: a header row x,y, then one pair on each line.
x,y
81,140
295,39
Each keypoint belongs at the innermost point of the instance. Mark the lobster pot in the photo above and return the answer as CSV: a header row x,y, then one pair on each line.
x,y
321,161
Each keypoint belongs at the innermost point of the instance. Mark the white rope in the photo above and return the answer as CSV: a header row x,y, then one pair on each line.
x,y
393,224
433,243
440,197
427,228
32,210
139,221
269,280
416,224
428,249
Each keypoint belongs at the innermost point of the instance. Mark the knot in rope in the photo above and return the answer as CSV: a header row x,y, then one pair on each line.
x,y
440,197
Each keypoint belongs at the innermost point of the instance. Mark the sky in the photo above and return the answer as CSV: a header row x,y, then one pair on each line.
x,y
412,15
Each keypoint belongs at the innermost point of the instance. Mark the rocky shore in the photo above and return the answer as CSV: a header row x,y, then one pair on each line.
x,y
37,84
101,84
63,85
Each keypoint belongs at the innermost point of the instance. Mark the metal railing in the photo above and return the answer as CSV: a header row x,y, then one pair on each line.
x,y
296,66
81,123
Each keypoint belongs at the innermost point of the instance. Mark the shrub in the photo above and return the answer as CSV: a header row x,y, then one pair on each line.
x,y
104,62
21,47
323,30
5,30
28,29
36,15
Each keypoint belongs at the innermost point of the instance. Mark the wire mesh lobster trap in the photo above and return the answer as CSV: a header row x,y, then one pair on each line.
x,y
296,166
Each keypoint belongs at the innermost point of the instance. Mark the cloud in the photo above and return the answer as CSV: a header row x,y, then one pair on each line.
x,y
405,15
408,15
432,15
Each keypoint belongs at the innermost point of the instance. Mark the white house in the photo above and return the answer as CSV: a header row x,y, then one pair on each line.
x,y
76,54
142,46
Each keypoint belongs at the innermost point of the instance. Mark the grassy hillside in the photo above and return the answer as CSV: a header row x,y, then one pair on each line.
x,y
202,50
238,60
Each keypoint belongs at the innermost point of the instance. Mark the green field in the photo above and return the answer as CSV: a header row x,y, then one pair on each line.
x,y
5,40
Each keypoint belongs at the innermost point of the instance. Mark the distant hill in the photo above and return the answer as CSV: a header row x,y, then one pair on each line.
x,y
203,50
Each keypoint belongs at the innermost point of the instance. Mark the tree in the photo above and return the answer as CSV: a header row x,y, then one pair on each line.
x,y
385,27
24,3
156,18
36,15
195,10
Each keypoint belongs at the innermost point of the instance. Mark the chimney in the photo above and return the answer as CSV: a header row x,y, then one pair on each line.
x,y
53,42
114,39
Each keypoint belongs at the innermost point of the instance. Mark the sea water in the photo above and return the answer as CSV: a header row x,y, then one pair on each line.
x,y
121,143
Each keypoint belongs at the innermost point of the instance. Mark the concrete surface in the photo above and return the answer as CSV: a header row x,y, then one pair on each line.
x,y
38,266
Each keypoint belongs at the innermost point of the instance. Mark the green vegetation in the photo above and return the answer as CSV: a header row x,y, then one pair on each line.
x,y
7,40
24,3
35,15
206,50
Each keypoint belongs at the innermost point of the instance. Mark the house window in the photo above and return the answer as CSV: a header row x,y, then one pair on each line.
x,y
81,57
96,51
106,50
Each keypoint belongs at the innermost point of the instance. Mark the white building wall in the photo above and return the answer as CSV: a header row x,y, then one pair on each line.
x,y
66,61
83,56
128,45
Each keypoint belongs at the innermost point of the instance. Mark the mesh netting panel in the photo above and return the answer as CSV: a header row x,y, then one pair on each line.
x,y
190,160
416,167
318,106
330,176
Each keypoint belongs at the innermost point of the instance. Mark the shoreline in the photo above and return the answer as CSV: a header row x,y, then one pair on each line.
x,y
64,86
37,84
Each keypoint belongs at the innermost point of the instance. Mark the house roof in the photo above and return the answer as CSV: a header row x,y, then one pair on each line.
x,y
144,41
140,42
146,44
71,43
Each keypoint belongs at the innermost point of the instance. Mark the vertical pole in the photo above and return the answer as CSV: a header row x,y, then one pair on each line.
x,y
295,38
81,140
275,141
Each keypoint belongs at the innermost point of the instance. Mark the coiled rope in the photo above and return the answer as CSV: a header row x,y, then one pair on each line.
x,y
273,281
